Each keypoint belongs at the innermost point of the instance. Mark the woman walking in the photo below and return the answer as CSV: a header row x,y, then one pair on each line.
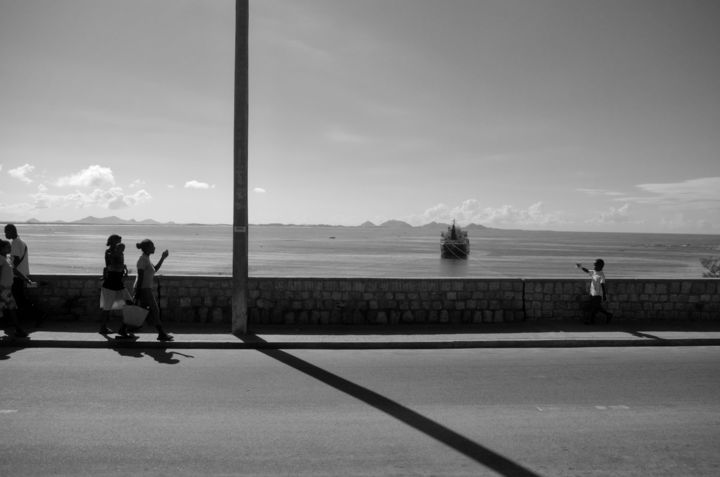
x,y
113,294
144,294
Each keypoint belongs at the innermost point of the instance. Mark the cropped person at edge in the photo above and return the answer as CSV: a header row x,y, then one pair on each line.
x,y
8,307
20,262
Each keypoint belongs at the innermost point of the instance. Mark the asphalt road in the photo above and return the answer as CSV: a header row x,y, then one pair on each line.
x,y
512,412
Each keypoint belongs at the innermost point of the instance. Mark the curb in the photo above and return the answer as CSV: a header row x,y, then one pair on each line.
x,y
410,345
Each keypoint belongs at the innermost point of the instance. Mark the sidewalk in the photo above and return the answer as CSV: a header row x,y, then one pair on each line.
x,y
488,335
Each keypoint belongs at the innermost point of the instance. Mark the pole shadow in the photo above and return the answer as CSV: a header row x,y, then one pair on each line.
x,y
445,435
640,334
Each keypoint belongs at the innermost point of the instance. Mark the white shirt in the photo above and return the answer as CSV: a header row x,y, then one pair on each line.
x,y
18,249
596,281
148,269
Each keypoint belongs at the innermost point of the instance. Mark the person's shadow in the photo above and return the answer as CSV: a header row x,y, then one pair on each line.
x,y
161,355
9,345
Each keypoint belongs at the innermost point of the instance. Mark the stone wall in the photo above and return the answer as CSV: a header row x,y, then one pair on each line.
x,y
628,299
336,301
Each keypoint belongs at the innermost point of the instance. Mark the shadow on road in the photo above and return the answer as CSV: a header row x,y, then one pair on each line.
x,y
6,351
460,443
161,355
9,345
640,334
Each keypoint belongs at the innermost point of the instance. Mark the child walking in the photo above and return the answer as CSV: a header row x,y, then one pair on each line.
x,y
598,291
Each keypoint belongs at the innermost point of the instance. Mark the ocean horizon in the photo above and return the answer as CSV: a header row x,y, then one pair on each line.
x,y
381,252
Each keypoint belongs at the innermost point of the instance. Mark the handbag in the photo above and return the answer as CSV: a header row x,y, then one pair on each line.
x,y
134,315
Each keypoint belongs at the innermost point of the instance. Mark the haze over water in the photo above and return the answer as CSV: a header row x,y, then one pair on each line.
x,y
328,251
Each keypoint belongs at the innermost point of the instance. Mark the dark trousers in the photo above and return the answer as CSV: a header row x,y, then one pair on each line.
x,y
27,309
18,292
594,306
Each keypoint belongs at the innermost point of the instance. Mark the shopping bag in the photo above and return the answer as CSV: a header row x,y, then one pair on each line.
x,y
134,315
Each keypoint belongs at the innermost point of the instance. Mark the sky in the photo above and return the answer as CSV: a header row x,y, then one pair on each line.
x,y
582,115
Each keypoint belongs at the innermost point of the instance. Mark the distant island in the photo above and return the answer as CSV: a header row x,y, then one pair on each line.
x,y
113,220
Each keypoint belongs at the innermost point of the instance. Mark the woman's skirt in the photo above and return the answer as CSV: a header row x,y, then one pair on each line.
x,y
114,299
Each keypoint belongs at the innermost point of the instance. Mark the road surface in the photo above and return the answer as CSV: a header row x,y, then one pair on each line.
x,y
550,412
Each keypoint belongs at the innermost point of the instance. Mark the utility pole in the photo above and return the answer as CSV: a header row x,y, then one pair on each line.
x,y
240,159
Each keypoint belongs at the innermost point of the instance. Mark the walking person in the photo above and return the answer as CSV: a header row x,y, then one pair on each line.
x,y
20,262
113,294
8,307
144,283
598,291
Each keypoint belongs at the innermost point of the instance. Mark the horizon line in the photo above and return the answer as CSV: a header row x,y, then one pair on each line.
x,y
366,224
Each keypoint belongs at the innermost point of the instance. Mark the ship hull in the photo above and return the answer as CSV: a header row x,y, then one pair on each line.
x,y
450,249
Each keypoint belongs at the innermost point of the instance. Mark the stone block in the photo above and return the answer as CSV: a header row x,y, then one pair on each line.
x,y
407,317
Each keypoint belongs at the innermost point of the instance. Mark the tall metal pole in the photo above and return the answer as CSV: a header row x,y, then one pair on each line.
x,y
240,158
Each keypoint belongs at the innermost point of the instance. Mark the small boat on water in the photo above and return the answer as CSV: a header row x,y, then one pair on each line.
x,y
454,243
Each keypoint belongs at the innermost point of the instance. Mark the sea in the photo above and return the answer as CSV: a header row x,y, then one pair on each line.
x,y
381,252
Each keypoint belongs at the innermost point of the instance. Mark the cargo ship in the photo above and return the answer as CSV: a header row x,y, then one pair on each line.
x,y
454,243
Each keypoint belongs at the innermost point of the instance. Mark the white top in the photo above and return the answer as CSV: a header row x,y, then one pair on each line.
x,y
18,249
596,281
148,269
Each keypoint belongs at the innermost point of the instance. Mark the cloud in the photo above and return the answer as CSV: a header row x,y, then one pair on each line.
x,y
198,185
600,192
17,211
692,190
614,215
21,173
113,198
259,190
93,176
137,183
471,211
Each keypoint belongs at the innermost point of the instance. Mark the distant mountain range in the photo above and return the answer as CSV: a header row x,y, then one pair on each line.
x,y
399,224
113,220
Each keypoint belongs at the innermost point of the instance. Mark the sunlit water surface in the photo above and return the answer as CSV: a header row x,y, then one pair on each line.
x,y
323,251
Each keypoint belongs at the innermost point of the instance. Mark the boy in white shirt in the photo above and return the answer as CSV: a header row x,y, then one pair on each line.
x,y
598,291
